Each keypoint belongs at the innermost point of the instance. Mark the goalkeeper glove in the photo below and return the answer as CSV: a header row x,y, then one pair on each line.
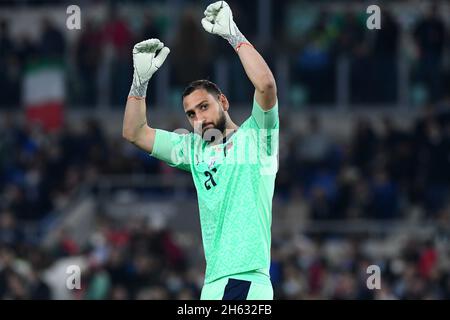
x,y
219,20
146,62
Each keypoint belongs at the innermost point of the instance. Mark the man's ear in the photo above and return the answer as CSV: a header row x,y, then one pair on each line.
x,y
224,101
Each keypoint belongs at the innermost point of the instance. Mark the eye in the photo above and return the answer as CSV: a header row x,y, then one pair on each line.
x,y
204,107
191,115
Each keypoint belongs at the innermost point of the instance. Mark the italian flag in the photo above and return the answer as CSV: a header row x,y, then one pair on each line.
x,y
44,93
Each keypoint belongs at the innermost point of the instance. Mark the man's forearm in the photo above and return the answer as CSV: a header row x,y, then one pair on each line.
x,y
256,69
135,110
260,75
135,118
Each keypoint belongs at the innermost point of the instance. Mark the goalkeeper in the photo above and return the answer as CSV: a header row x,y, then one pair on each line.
x,y
234,198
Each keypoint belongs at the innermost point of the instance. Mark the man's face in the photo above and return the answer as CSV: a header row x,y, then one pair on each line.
x,y
205,111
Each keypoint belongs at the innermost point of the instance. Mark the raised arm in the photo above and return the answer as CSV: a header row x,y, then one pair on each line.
x,y
219,20
135,127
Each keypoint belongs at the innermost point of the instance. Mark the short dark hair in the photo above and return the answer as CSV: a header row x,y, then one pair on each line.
x,y
207,85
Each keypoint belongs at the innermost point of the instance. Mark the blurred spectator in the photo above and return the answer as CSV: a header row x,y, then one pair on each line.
x,y
353,45
153,27
384,59
399,145
150,28
429,35
364,145
53,43
27,51
10,233
88,58
435,164
191,52
385,196
119,41
315,63
9,68
245,13
321,207
313,147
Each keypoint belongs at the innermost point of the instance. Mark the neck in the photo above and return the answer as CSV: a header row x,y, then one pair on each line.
x,y
230,129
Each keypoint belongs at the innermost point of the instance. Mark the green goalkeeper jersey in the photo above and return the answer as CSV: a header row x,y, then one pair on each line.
x,y
235,184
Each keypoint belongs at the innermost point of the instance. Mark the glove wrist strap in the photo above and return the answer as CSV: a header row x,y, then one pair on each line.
x,y
138,88
236,39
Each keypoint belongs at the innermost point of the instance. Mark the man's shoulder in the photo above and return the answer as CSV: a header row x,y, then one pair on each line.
x,y
249,123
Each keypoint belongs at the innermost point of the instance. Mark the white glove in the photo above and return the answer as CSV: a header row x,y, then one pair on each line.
x,y
219,20
146,62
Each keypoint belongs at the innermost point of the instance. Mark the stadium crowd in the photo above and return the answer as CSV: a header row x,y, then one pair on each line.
x,y
385,173
312,39
388,175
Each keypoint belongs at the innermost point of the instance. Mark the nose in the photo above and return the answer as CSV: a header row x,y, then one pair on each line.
x,y
201,121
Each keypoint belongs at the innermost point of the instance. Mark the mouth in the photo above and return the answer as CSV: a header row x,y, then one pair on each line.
x,y
208,126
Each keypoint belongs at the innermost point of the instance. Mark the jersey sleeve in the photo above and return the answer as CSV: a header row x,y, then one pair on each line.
x,y
265,119
266,124
172,148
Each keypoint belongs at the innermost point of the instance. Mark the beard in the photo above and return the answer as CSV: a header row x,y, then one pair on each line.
x,y
216,130
221,122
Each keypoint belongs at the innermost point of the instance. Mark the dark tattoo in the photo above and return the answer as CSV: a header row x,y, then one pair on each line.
x,y
143,124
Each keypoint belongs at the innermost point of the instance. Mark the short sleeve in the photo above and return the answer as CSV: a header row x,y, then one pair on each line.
x,y
265,119
267,125
172,148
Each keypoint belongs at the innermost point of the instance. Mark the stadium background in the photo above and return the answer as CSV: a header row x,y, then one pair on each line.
x,y
364,172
